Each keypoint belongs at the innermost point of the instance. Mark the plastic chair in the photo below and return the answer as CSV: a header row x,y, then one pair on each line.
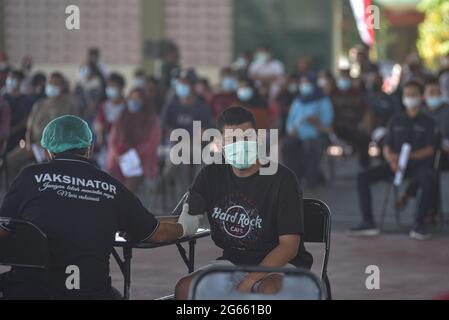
x,y
217,284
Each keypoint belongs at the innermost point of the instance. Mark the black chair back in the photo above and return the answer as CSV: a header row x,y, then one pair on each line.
x,y
26,246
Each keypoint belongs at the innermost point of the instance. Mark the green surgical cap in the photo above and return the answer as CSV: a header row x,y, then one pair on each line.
x,y
66,133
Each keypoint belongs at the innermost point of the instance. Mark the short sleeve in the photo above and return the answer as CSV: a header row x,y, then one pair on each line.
x,y
290,215
199,193
136,221
389,138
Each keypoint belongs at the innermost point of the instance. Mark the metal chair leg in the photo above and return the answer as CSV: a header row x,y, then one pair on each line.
x,y
396,211
385,206
327,287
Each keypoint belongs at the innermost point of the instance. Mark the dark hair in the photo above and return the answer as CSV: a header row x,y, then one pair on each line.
x,y
17,74
64,82
78,152
432,81
235,116
94,51
38,78
118,79
414,83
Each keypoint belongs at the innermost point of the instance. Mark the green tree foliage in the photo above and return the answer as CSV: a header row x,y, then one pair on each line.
x,y
433,39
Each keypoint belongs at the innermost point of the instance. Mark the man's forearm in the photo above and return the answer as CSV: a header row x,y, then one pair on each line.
x,y
167,232
277,258
3,233
424,153
389,155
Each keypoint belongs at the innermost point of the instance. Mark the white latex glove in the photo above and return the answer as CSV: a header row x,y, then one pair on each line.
x,y
189,223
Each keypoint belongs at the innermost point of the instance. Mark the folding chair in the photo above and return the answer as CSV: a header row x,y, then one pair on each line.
x,y
4,166
317,229
27,246
392,189
217,284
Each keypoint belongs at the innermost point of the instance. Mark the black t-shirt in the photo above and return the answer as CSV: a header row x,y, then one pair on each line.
x,y
247,215
419,132
179,116
79,208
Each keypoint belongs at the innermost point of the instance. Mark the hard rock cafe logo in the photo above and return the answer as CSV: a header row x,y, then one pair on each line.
x,y
236,221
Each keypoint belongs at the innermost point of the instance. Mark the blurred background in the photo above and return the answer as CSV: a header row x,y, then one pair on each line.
x,y
213,54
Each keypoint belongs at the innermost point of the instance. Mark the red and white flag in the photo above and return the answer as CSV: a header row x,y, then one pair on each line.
x,y
363,16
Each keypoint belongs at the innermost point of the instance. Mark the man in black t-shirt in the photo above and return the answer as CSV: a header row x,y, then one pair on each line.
x,y
256,219
80,209
415,128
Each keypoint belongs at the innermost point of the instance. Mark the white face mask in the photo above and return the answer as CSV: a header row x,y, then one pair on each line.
x,y
113,112
412,102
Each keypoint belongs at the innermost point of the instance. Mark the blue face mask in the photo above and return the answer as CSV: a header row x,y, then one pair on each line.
x,y
241,155
306,89
139,83
245,94
182,90
134,106
11,85
344,84
434,102
229,84
52,91
112,93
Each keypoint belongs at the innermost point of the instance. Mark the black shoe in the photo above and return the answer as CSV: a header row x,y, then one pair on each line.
x,y
364,230
421,233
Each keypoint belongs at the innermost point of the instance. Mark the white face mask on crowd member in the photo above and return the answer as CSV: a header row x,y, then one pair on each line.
x,y
11,85
112,93
113,112
412,102
52,91
434,102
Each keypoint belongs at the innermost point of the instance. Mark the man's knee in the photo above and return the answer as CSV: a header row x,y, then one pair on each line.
x,y
427,179
270,285
182,288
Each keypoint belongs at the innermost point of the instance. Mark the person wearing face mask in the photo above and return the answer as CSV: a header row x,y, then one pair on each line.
x,y
90,90
180,113
285,99
110,110
137,128
57,104
255,219
310,120
351,122
327,83
226,95
267,72
38,87
186,107
250,98
412,127
381,106
80,228
438,110
139,80
20,105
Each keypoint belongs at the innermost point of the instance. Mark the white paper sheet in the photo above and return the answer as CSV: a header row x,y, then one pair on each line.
x,y
130,164
39,153
403,162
